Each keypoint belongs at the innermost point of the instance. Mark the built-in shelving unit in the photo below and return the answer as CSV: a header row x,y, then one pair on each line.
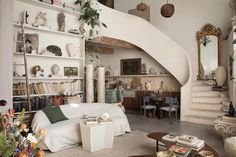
x,y
47,30
47,56
51,7
43,88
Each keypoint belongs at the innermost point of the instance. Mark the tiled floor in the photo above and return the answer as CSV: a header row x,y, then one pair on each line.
x,y
205,132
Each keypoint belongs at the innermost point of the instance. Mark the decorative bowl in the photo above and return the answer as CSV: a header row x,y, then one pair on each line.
x,y
206,153
165,154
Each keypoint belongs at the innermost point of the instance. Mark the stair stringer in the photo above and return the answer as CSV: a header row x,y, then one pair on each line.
x,y
157,44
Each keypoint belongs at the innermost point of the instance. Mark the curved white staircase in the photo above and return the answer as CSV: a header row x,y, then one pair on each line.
x,y
162,48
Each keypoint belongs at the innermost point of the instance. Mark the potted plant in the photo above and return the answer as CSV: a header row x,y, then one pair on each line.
x,y
90,16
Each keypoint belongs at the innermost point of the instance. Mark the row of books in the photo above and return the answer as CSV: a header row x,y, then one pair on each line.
x,y
73,87
188,141
37,103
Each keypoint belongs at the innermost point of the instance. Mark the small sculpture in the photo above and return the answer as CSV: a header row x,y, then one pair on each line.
x,y
231,110
54,49
72,49
148,85
61,22
41,20
35,70
55,69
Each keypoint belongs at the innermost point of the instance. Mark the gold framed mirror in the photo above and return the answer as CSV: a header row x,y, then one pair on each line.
x,y
208,51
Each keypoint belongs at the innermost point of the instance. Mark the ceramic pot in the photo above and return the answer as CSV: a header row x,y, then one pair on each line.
x,y
220,75
142,6
167,10
55,69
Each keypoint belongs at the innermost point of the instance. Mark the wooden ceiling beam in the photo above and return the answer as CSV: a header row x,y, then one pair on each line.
x,y
100,49
111,42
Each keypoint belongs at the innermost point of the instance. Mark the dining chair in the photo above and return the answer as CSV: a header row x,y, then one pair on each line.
x,y
145,105
173,106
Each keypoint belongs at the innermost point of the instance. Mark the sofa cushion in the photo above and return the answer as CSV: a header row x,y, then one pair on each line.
x,y
54,114
230,146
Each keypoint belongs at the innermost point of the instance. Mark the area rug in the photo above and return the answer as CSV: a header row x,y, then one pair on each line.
x,y
134,143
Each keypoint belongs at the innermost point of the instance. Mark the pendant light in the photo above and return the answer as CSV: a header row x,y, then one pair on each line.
x,y
141,6
167,10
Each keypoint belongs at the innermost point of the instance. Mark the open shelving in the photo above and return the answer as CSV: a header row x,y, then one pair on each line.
x,y
49,78
52,7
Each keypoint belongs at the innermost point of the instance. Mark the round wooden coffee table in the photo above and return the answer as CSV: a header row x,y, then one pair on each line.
x,y
158,137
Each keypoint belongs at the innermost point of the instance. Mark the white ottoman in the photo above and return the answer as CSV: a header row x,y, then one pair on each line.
x,y
97,136
230,146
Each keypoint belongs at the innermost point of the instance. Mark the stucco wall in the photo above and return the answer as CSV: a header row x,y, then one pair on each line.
x,y
189,17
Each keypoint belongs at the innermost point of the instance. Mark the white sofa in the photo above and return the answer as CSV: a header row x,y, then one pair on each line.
x,y
230,146
66,134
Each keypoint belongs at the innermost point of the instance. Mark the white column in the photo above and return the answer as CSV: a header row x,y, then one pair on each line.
x,y
101,84
89,84
6,51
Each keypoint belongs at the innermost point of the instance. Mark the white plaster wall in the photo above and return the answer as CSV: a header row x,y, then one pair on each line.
x,y
6,41
113,60
189,17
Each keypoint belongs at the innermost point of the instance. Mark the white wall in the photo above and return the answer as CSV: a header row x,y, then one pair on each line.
x,y
6,41
113,60
189,17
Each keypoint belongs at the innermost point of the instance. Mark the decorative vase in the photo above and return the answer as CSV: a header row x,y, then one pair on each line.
x,y
220,75
55,69
231,110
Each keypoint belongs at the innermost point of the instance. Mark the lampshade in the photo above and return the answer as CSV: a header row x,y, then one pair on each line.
x,y
167,10
142,6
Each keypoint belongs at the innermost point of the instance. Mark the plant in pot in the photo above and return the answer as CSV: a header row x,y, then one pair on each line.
x,y
90,16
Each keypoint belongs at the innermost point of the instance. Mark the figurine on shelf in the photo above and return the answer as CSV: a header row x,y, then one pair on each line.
x,y
41,20
35,70
61,22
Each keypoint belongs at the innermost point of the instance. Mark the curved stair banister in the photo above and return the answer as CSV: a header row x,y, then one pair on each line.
x,y
157,44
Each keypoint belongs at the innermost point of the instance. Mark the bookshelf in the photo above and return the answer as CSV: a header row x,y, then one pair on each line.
x,y
47,86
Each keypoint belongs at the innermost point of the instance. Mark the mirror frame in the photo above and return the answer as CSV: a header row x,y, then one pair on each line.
x,y
207,29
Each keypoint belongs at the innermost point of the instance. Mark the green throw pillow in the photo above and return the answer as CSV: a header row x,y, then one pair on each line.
x,y
54,114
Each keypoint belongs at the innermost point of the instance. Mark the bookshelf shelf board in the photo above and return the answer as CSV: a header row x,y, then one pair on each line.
x,y
49,78
123,76
52,7
29,27
38,95
46,56
26,112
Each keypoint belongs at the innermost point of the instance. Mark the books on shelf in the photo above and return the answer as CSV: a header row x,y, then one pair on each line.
x,y
73,87
180,151
171,137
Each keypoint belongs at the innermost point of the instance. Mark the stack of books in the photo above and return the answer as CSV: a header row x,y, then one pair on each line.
x,y
91,120
101,121
180,151
171,137
191,142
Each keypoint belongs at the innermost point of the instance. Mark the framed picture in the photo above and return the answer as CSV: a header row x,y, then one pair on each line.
x,y
130,66
31,43
70,71
109,3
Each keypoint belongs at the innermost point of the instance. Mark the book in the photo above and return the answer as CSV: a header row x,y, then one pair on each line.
x,y
91,121
109,120
170,137
180,151
192,148
196,144
188,138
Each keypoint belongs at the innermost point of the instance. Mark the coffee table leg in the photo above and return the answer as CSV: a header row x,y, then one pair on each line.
x,y
157,145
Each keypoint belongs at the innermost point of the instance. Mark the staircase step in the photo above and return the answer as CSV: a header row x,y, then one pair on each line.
x,y
200,119
208,93
206,113
197,83
212,99
201,88
207,106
